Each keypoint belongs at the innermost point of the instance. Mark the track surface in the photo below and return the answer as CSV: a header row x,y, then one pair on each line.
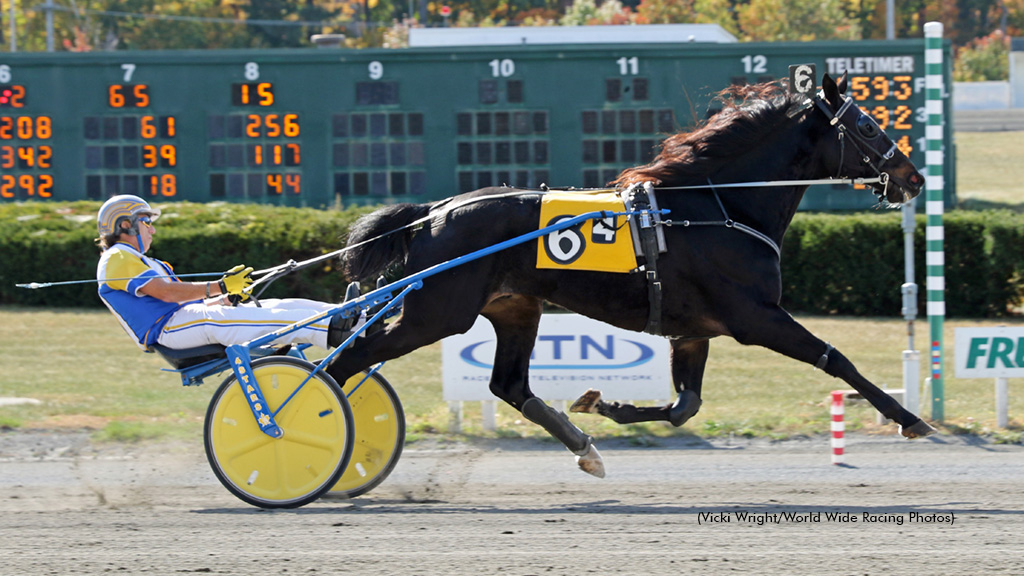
x,y
520,507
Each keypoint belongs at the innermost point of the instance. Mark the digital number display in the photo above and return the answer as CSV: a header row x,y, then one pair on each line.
x,y
325,128
25,157
124,96
12,96
885,98
256,155
252,94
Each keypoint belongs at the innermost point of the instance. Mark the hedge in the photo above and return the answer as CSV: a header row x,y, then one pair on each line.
x,y
850,264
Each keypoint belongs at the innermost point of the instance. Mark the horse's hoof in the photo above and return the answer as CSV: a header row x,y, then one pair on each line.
x,y
591,462
587,403
684,408
919,429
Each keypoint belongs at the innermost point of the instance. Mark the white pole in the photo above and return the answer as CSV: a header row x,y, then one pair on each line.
x,y
14,41
49,25
935,256
1002,403
489,414
911,357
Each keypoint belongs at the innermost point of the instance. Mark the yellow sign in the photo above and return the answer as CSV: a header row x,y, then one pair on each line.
x,y
601,245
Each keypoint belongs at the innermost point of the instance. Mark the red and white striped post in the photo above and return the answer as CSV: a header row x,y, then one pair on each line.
x,y
838,426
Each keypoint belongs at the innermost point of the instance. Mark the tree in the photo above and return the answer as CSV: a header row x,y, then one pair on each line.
x,y
796,20
983,59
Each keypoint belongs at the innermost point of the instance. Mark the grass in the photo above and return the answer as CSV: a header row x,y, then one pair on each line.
x,y
989,171
88,374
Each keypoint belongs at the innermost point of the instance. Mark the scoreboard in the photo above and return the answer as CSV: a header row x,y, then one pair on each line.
x,y
319,127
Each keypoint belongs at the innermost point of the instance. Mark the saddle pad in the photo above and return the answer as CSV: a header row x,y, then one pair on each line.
x,y
601,245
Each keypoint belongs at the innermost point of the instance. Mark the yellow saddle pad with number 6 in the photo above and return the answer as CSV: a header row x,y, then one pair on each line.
x,y
600,245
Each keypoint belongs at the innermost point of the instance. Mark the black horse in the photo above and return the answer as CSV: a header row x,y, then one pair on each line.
x,y
716,279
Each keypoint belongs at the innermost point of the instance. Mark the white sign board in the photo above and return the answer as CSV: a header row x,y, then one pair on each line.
x,y
572,353
996,352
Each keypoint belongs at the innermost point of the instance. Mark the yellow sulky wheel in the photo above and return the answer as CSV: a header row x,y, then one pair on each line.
x,y
379,435
306,461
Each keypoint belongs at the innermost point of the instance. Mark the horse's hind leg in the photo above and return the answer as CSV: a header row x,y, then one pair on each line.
x,y
778,331
688,360
515,320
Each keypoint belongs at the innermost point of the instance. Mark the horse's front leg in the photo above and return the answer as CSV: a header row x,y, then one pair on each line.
x,y
776,330
515,320
688,358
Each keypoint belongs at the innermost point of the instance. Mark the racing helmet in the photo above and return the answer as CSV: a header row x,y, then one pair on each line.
x,y
123,207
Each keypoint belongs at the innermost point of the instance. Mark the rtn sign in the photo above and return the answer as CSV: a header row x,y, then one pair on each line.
x,y
572,353
996,352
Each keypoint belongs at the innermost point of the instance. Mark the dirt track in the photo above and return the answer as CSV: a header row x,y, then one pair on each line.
x,y
520,507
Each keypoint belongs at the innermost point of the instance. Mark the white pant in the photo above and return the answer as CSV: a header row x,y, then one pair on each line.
x,y
198,324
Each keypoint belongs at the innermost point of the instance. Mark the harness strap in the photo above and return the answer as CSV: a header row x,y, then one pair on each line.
x,y
823,361
640,200
728,222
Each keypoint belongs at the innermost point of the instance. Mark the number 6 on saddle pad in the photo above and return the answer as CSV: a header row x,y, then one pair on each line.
x,y
601,245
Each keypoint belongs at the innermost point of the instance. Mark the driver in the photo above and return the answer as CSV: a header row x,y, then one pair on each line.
x,y
155,307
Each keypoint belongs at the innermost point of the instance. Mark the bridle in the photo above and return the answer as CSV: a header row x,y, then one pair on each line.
x,y
865,135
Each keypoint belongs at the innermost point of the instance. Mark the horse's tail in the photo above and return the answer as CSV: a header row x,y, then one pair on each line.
x,y
379,240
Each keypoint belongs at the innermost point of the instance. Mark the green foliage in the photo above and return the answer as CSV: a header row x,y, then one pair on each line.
x,y
986,58
47,242
832,264
854,264
797,20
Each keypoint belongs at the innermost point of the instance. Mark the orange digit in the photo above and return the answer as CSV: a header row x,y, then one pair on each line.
x,y
273,128
294,181
169,155
274,183
859,86
881,85
6,123
252,127
903,90
6,156
168,185
149,156
904,145
28,184
24,126
169,123
294,155
27,154
6,186
291,125
43,159
881,114
902,113
44,128
114,96
45,186
266,92
141,92
17,96
148,127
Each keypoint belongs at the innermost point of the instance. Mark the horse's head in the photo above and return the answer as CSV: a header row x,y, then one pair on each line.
x,y
863,149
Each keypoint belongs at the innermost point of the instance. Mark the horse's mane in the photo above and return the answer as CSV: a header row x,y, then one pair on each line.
x,y
748,114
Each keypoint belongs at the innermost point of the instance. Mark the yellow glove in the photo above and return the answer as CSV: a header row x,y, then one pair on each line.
x,y
235,281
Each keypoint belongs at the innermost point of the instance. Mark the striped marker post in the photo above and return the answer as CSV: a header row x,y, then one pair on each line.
x,y
934,233
838,427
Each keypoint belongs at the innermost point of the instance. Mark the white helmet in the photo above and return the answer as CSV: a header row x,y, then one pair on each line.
x,y
123,207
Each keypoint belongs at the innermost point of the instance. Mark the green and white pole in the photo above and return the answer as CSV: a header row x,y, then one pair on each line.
x,y
935,257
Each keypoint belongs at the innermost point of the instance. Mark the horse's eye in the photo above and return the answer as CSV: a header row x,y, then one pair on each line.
x,y
867,127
